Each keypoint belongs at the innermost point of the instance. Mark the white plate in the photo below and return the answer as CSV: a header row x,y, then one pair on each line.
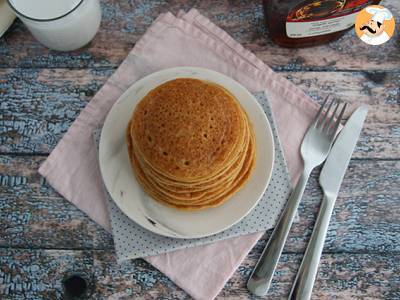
x,y
134,202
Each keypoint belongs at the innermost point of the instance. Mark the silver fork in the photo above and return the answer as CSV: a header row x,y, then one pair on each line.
x,y
314,150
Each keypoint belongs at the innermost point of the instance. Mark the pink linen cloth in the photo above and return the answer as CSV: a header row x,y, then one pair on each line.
x,y
188,40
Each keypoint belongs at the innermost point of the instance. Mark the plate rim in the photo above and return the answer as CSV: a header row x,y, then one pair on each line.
x,y
173,76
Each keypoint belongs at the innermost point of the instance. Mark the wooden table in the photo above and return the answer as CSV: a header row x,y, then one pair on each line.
x,y
43,237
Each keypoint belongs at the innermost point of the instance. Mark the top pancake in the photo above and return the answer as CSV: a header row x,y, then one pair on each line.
x,y
188,129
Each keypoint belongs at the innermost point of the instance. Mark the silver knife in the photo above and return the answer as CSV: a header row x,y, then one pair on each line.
x,y
330,180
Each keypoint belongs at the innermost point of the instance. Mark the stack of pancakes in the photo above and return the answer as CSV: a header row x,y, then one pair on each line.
x,y
190,144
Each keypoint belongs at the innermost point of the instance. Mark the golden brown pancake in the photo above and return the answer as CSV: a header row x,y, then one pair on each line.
x,y
195,196
226,175
190,144
187,129
216,201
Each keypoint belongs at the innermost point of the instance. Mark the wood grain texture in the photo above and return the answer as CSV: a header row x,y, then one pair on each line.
x,y
33,274
124,22
38,106
43,237
33,215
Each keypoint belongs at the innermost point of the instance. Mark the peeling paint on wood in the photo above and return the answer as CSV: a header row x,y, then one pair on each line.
x,y
365,217
29,274
43,237
35,114
124,22
39,106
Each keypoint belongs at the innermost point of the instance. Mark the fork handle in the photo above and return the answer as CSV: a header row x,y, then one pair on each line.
x,y
304,282
261,277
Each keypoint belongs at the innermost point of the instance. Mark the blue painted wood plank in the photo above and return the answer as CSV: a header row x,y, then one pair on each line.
x,y
125,22
32,274
38,106
40,100
366,217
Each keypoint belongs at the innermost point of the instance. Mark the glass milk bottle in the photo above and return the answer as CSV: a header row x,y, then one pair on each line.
x,y
62,25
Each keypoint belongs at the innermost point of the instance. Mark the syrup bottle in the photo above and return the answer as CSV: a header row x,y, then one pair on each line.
x,y
303,23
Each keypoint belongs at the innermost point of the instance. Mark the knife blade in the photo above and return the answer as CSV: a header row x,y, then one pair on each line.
x,y
330,180
338,159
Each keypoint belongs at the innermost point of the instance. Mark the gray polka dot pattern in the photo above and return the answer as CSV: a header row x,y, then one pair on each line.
x,y
132,241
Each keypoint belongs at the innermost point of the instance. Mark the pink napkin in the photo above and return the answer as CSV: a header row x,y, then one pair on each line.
x,y
188,40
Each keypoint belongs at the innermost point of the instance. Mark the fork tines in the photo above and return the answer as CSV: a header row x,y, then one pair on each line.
x,y
327,123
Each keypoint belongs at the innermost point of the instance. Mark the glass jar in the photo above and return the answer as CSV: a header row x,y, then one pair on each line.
x,y
303,23
62,25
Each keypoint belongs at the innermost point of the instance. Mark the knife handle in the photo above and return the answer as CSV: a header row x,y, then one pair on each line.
x,y
304,282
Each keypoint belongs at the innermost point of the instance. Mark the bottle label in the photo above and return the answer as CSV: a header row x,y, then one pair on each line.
x,y
319,17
